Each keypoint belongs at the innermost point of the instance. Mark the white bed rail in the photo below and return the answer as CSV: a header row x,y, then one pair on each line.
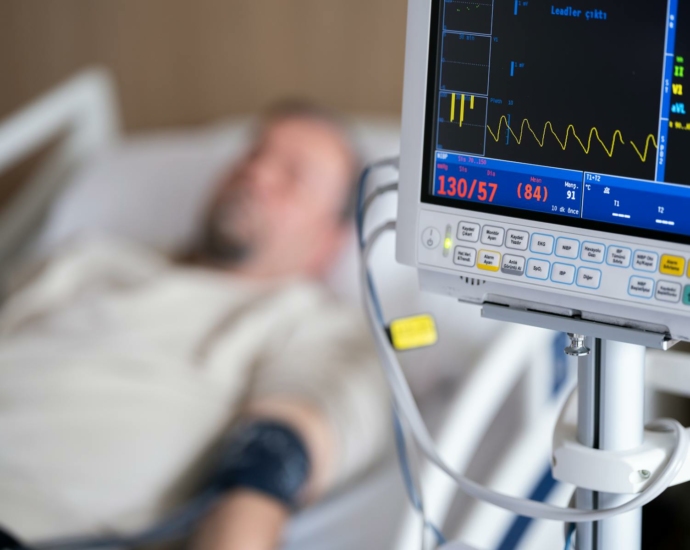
x,y
517,352
82,112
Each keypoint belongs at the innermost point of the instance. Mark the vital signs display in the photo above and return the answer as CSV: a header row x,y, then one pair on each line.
x,y
573,113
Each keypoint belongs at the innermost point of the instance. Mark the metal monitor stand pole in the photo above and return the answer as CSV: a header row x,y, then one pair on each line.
x,y
610,417
611,391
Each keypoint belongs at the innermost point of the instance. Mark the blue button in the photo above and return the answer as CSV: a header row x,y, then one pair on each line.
x,y
646,261
619,256
538,269
641,287
568,248
686,295
542,244
593,252
589,278
563,274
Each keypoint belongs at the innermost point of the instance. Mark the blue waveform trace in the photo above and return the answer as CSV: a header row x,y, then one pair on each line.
x,y
514,65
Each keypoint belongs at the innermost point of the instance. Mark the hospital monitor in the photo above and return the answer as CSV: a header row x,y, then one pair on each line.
x,y
545,156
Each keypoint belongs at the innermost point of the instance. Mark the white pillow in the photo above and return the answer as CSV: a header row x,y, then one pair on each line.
x,y
154,189
151,189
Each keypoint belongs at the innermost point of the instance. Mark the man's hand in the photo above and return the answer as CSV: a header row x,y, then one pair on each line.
x,y
244,520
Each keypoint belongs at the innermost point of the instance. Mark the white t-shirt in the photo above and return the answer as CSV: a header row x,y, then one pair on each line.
x,y
119,370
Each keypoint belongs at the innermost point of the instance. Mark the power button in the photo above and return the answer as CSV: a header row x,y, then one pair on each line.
x,y
431,238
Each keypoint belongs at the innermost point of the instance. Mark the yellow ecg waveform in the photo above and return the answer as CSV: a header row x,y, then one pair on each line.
x,y
593,133
453,100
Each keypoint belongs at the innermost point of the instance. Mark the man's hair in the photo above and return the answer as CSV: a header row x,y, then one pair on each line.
x,y
305,109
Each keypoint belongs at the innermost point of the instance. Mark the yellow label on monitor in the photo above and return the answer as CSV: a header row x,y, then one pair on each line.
x,y
413,332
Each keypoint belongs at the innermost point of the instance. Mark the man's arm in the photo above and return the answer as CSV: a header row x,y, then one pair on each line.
x,y
325,384
249,520
243,520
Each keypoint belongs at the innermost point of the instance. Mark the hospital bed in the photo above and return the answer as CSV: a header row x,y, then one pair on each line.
x,y
489,390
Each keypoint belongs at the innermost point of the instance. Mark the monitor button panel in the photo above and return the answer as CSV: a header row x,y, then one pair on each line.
x,y
613,268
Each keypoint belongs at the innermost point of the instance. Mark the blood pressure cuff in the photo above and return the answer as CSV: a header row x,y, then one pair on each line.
x,y
268,457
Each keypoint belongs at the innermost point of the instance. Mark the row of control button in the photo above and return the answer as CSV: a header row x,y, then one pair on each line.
x,y
666,291
570,248
509,264
592,252
545,269
639,287
494,236
564,274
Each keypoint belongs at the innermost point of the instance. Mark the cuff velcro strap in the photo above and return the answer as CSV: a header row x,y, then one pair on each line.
x,y
268,457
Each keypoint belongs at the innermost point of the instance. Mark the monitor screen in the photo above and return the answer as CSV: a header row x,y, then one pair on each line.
x,y
572,112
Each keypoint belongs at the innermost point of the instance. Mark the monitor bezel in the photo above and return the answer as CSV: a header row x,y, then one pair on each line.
x,y
430,150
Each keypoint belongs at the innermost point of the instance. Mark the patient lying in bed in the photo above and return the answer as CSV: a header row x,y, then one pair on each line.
x,y
121,370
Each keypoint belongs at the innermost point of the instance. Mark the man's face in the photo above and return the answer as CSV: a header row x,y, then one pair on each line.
x,y
279,212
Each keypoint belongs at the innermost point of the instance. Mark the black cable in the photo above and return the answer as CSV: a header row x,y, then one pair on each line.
x,y
8,542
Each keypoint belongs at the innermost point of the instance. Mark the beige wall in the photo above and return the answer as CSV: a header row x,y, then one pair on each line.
x,y
180,62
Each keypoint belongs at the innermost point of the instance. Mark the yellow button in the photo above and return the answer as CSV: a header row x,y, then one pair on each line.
x,y
489,260
672,265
